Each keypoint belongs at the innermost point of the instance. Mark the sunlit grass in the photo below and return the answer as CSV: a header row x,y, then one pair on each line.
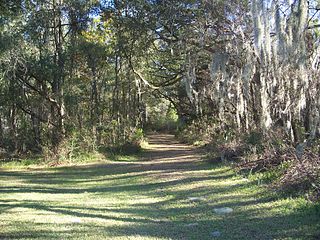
x,y
134,198
21,163
123,158
41,162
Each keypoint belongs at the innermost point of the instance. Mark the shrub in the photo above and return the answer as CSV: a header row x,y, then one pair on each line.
x,y
76,144
302,175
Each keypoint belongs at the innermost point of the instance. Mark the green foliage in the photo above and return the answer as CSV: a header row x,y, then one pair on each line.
x,y
254,138
81,76
76,146
137,136
202,131
21,163
162,117
131,145
271,159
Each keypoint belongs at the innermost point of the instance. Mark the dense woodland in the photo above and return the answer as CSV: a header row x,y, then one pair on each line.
x,y
242,77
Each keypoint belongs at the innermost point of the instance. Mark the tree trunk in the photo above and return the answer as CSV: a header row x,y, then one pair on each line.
x,y
13,128
58,107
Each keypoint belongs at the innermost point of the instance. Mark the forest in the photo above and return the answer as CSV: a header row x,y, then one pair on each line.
x,y
205,89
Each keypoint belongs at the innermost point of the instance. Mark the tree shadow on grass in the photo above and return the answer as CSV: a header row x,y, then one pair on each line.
x,y
102,189
155,220
94,172
164,219
168,180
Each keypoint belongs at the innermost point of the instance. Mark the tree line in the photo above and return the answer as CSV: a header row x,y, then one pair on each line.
x,y
89,69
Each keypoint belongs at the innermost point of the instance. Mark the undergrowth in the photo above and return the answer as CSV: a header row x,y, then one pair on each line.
x,y
272,159
78,149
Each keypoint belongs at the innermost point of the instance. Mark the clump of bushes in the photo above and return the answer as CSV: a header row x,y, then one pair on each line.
x,y
197,132
286,167
78,145
264,152
132,144
73,147
302,175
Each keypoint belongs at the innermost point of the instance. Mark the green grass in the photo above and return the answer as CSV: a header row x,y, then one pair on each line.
x,y
40,162
123,157
128,199
21,163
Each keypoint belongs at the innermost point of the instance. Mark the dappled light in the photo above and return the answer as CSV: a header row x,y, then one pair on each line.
x,y
156,119
151,198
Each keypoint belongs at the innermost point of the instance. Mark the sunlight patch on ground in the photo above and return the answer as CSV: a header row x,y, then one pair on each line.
x,y
147,199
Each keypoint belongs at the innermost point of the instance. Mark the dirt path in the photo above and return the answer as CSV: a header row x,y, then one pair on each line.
x,y
169,193
167,155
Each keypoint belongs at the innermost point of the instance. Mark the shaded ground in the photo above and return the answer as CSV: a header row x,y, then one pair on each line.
x,y
147,199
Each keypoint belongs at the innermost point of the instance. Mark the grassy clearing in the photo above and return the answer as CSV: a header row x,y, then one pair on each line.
x,y
147,199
